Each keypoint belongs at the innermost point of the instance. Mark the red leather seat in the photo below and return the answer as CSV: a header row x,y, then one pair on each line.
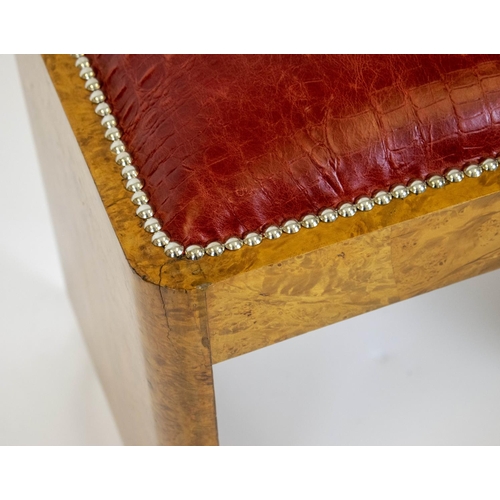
x,y
229,144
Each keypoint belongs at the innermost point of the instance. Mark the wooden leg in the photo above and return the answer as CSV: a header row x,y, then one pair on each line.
x,y
149,343
179,367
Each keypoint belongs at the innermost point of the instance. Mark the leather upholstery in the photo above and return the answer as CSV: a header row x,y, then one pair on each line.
x,y
229,144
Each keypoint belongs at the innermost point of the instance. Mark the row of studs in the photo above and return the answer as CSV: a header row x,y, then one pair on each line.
x,y
129,173
176,250
362,204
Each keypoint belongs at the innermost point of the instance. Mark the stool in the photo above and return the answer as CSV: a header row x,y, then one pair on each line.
x,y
208,206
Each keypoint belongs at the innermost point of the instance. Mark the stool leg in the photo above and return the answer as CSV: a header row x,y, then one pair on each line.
x,y
179,367
149,344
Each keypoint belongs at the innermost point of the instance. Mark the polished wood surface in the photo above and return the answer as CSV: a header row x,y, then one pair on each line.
x,y
174,330
351,277
155,325
150,345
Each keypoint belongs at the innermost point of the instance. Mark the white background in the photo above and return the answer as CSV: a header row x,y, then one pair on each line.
x,y
424,371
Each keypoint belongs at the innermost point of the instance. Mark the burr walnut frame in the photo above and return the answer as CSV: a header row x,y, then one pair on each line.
x,y
155,326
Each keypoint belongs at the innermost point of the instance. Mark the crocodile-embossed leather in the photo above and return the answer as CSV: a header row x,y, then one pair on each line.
x,y
228,144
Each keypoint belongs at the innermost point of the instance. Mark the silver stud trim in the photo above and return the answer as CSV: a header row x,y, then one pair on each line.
x,y
134,184
112,134
152,225
174,250
490,165
273,232
129,172
291,226
160,239
82,62
92,84
382,198
417,187
109,121
327,215
473,171
123,159
252,239
144,211
97,96
309,221
102,109
117,147
454,175
347,210
214,249
87,73
233,243
436,182
365,204
139,198
195,252
400,192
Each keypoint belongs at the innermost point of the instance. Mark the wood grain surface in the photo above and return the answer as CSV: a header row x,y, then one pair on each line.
x,y
351,277
150,345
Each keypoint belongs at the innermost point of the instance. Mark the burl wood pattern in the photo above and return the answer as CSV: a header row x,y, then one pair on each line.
x,y
352,277
149,344
179,366
446,247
